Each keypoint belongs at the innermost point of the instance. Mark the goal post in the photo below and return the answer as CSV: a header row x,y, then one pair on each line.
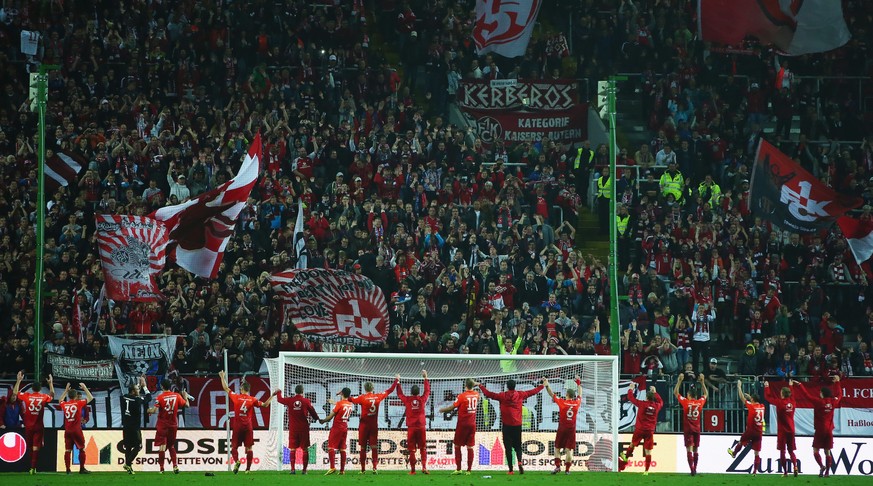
x,y
322,375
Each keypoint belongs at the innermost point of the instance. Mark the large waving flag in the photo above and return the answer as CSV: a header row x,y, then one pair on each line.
x,y
785,194
202,227
62,169
132,253
794,26
859,235
504,26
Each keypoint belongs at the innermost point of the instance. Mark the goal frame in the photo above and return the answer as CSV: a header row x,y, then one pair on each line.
x,y
276,367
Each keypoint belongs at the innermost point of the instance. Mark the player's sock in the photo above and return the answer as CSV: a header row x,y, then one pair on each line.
x,y
249,457
557,463
648,462
82,459
458,458
67,455
829,460
374,456
738,448
757,464
234,454
292,459
696,458
173,456
469,459
362,456
423,459
567,465
412,459
690,456
342,460
306,459
34,455
818,459
793,461
782,464
162,456
331,456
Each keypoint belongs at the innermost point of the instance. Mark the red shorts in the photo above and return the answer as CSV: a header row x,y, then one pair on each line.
x,y
692,439
465,436
647,437
33,436
416,438
823,440
337,439
298,438
165,436
565,439
368,435
242,435
752,439
74,437
784,441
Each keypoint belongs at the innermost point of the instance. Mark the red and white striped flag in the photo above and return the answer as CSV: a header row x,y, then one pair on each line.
x,y
859,235
62,169
132,253
202,227
504,27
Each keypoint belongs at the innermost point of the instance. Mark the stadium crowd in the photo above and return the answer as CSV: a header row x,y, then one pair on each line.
x,y
162,98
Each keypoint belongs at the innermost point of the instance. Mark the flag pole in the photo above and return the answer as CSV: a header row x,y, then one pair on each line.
x,y
41,101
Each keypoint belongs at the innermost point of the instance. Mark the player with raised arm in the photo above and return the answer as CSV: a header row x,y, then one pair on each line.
x,y
644,430
465,433
132,405
511,402
785,407
32,407
823,419
755,424
167,406
72,410
692,409
565,438
368,430
300,410
241,425
416,428
339,431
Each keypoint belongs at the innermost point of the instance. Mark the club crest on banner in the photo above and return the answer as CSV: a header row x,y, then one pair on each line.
x,y
138,357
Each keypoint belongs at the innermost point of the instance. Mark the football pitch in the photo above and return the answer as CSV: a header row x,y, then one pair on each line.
x,y
436,478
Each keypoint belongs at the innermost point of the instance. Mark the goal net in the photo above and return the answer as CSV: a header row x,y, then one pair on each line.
x,y
324,374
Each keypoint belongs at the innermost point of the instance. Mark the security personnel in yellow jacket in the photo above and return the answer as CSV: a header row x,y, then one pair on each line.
x,y
709,191
604,194
625,233
672,182
583,161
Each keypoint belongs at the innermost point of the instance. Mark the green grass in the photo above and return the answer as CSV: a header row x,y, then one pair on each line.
x,y
436,478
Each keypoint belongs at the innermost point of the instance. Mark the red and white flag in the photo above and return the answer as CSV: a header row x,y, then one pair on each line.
x,y
132,253
200,228
795,27
62,169
504,26
333,305
859,235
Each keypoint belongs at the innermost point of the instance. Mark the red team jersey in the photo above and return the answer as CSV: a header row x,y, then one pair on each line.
x,y
168,404
647,412
73,414
467,404
300,410
343,410
785,408
415,406
823,412
567,409
242,409
369,403
511,402
692,409
755,422
32,407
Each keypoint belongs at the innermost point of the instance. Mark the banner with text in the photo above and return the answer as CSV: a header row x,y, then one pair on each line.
x,y
135,357
853,415
333,305
77,369
528,111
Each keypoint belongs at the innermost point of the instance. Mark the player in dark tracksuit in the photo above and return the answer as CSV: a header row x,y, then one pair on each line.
x,y
132,405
